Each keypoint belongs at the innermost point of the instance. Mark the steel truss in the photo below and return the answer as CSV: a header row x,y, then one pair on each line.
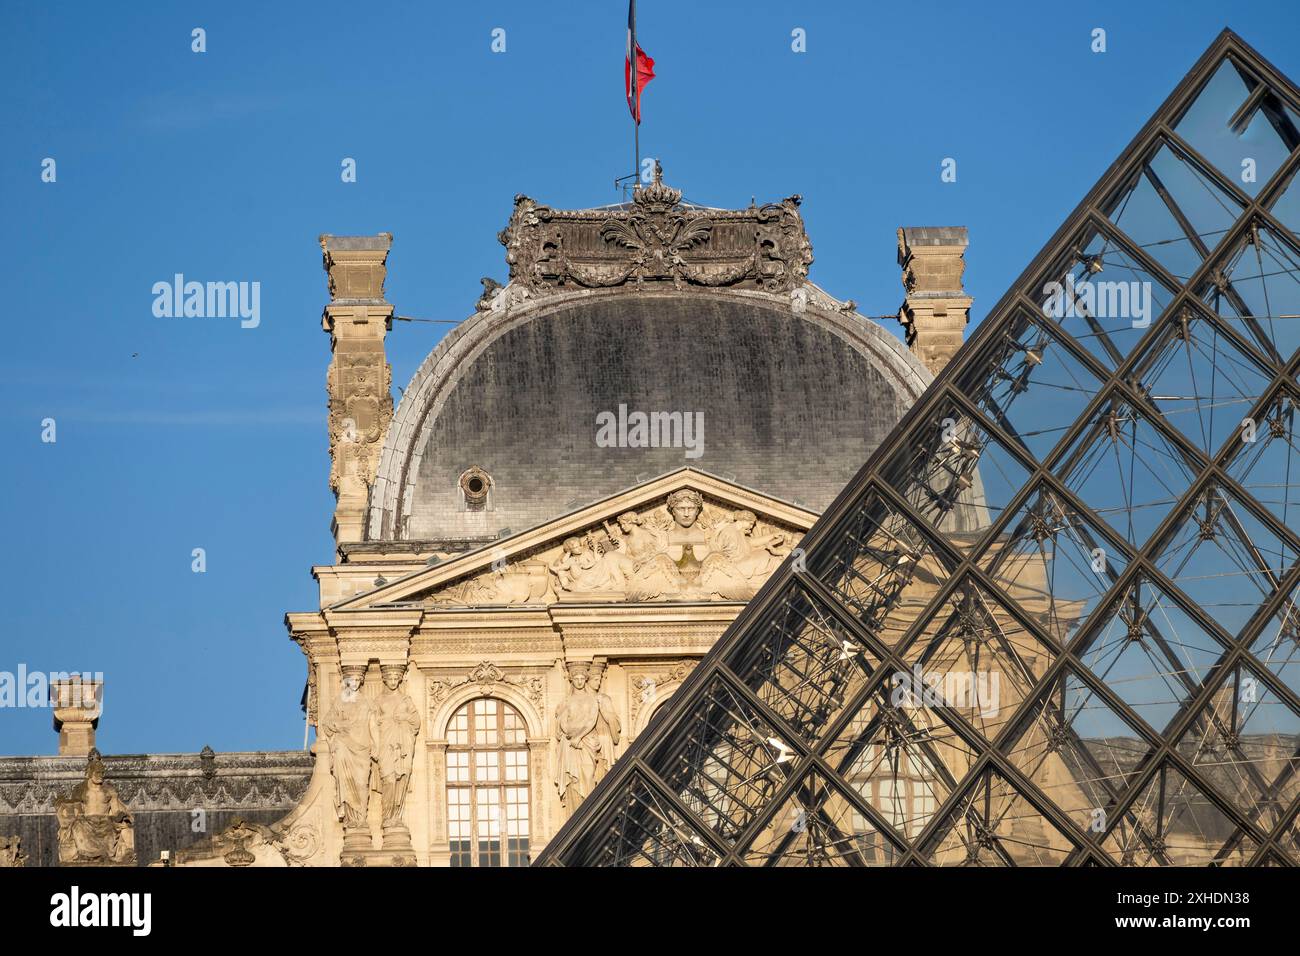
x,y
1053,621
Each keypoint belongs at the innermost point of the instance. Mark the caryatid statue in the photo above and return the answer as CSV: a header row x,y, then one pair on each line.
x,y
577,745
350,731
608,727
397,724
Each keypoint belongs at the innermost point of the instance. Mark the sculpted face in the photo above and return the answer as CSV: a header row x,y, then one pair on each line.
x,y
626,523
97,774
392,679
351,685
595,680
578,679
685,512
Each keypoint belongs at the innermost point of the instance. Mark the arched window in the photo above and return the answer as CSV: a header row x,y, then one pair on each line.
x,y
487,785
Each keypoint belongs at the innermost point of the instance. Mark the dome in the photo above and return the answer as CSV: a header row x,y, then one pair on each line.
x,y
684,314
791,402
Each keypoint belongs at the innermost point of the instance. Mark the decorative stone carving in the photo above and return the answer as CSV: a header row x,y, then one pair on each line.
x,y
77,702
11,852
397,722
359,380
485,675
240,844
683,558
349,731
645,689
656,238
685,550
586,729
94,825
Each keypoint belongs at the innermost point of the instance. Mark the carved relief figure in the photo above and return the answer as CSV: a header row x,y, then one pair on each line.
x,y
349,730
577,746
684,547
586,565
94,825
397,724
681,551
740,563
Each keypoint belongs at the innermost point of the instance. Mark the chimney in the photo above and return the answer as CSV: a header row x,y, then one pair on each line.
x,y
936,309
76,702
360,379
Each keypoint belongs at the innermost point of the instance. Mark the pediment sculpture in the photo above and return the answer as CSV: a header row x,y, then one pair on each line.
x,y
685,549
95,827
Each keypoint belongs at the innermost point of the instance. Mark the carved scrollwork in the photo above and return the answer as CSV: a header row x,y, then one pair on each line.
x,y
656,238
485,676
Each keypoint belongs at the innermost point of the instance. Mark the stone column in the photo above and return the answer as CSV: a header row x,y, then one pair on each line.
x,y
936,309
359,379
76,704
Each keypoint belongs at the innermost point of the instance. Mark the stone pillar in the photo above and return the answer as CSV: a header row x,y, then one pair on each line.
x,y
359,379
76,704
936,309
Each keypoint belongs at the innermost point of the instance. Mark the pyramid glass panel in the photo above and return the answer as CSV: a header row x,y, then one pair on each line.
x,y
1054,563
880,566
1127,469
1277,646
820,825
1201,382
1240,126
1151,653
1172,822
1267,461
1174,211
902,759
1078,750
1226,557
1052,621
808,666
993,824
1256,291
975,660
1103,295
1246,743
1031,385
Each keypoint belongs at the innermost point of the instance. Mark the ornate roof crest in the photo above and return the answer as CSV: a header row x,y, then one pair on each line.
x,y
657,239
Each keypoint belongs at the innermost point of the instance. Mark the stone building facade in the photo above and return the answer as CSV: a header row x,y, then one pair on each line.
x,y
582,486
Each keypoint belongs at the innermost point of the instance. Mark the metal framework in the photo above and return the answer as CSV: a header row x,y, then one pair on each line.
x,y
1053,620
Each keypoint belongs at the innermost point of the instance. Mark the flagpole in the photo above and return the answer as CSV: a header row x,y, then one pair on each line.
x,y
636,108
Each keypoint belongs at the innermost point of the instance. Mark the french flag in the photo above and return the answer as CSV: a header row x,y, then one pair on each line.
x,y
635,76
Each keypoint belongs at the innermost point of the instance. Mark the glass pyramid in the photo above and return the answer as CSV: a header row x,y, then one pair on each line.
x,y
1053,620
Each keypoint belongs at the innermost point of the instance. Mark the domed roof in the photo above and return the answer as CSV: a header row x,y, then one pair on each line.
x,y
653,307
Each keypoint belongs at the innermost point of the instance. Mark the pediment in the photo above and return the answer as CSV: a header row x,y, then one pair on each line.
x,y
685,536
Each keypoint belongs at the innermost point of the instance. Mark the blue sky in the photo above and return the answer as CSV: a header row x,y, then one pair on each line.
x,y
183,433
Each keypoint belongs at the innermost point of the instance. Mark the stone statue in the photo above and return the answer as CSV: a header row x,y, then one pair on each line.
x,y
350,732
608,727
397,724
94,825
588,565
683,547
11,852
739,563
576,741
